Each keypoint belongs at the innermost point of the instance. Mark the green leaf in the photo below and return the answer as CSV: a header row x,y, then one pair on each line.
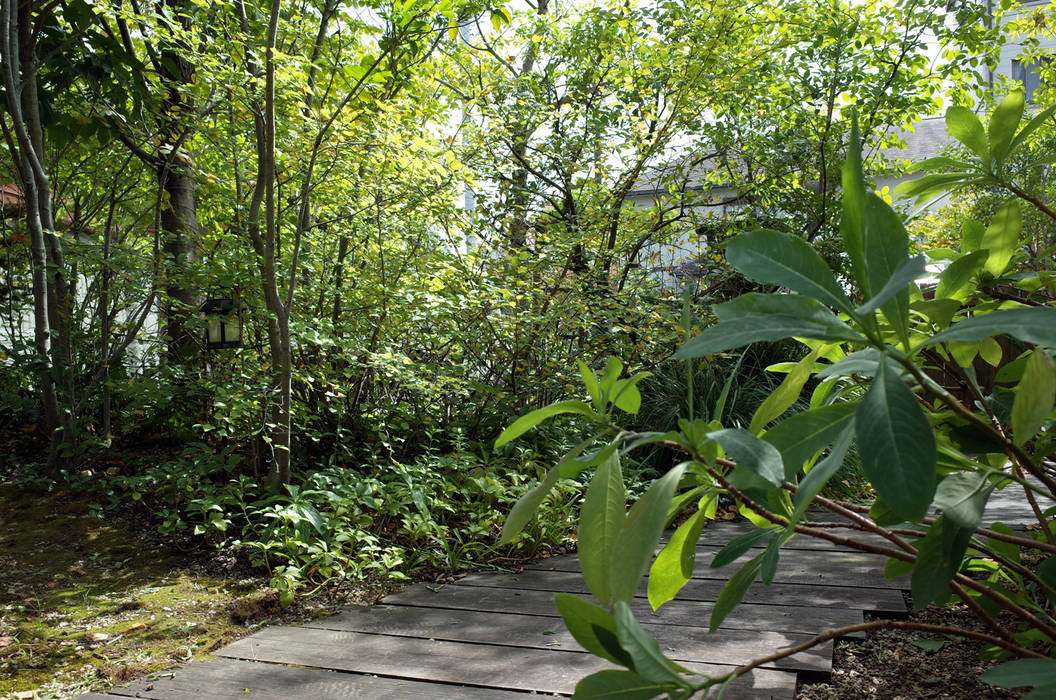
x,y
309,513
820,473
647,659
601,526
733,592
1021,672
964,125
907,271
640,533
736,548
768,564
861,362
939,311
939,555
800,437
526,506
613,368
796,305
1006,549
962,496
1024,133
938,163
1002,237
955,278
852,224
896,445
758,456
619,685
784,395
593,627
526,422
1003,123
886,247
752,328
625,394
931,185
1035,324
1034,397
673,566
788,261
972,235
591,382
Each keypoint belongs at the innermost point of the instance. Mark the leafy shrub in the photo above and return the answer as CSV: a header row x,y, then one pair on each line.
x,y
894,372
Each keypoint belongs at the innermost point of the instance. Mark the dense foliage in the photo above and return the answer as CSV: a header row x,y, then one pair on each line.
x,y
427,212
904,372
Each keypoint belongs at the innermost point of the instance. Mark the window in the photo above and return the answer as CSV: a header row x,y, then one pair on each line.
x,y
1029,74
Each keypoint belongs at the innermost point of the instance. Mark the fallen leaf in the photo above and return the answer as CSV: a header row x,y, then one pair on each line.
x,y
25,695
96,637
133,628
79,571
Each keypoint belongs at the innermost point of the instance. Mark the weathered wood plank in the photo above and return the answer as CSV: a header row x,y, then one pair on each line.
x,y
229,678
549,671
873,599
719,533
533,631
678,612
834,568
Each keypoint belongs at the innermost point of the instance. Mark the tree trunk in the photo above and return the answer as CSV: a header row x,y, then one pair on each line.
x,y
16,47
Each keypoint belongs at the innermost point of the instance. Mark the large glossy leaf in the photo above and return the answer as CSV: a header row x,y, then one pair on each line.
x,y
953,282
772,257
931,185
1002,237
1003,124
758,456
601,526
853,220
962,497
619,685
728,335
1022,672
528,421
782,398
861,362
800,437
625,394
673,566
733,592
639,535
939,555
591,383
964,125
896,445
1036,324
1035,397
646,657
797,305
886,247
593,627
907,271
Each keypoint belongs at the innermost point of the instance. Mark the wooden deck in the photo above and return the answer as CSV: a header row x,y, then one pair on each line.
x,y
498,636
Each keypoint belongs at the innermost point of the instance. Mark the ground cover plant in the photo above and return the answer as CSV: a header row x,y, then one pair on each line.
x,y
895,371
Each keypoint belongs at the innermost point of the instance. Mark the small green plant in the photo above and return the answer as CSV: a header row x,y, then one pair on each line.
x,y
891,371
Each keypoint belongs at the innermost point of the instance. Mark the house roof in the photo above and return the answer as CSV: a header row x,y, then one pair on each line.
x,y
925,139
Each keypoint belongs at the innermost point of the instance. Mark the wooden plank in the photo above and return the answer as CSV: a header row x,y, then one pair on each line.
x,y
747,616
873,599
547,671
533,631
228,678
718,534
834,568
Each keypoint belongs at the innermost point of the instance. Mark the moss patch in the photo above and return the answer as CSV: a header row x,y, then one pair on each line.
x,y
87,602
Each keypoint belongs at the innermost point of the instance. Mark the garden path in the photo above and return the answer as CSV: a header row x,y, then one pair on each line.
x,y
498,636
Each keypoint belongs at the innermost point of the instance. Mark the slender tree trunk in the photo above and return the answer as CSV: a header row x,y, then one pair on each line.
x,y
15,31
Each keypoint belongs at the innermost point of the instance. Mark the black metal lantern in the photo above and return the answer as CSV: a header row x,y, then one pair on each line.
x,y
223,324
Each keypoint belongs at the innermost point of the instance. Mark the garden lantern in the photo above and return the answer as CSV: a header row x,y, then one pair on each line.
x,y
223,324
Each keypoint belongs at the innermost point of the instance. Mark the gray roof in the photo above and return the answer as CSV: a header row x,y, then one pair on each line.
x,y
927,140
